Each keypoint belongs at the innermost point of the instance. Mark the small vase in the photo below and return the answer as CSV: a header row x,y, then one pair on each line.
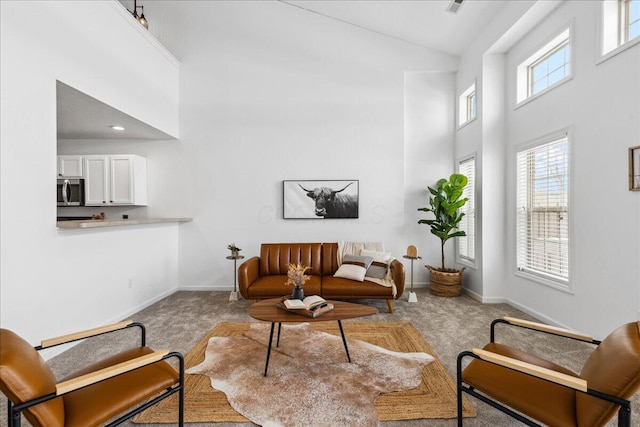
x,y
235,253
298,293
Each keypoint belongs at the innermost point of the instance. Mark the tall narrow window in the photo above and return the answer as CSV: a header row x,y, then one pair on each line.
x,y
467,105
548,67
467,244
543,209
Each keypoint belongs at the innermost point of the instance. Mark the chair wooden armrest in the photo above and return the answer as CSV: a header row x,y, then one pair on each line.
x,y
530,369
84,334
549,329
112,371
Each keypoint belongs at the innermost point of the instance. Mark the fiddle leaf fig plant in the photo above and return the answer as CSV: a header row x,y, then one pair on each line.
x,y
445,202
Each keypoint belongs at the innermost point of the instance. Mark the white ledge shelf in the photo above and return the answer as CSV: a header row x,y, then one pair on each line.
x,y
100,223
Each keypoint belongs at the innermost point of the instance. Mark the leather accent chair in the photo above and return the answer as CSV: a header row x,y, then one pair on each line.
x,y
520,384
93,395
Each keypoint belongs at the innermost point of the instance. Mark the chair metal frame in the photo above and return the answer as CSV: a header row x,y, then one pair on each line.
x,y
14,412
624,413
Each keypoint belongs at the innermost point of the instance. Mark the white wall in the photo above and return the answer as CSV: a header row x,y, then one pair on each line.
x,y
428,156
57,281
601,106
270,92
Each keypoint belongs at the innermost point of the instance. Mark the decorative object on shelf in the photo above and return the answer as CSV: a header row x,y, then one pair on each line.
x,y
297,278
634,168
412,254
329,199
235,251
140,18
235,257
99,216
444,203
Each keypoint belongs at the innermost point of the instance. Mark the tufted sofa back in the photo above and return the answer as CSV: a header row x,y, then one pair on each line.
x,y
276,257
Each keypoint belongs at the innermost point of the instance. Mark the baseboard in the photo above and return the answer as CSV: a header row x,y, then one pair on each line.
x,y
223,288
52,352
539,316
473,295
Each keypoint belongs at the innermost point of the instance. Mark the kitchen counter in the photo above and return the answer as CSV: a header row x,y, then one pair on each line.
x,y
99,223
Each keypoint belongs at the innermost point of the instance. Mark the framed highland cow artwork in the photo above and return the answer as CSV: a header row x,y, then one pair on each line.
x,y
304,199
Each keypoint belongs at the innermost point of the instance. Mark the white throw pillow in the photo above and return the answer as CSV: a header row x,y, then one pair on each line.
x,y
379,266
354,267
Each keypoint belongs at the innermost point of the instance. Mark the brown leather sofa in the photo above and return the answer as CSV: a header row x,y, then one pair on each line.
x,y
265,276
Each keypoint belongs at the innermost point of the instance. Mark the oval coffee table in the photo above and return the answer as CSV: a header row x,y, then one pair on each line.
x,y
267,311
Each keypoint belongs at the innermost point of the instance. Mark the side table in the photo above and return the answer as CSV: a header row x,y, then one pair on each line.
x,y
412,295
234,295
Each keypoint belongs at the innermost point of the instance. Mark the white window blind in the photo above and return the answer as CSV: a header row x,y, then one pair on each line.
x,y
543,209
467,244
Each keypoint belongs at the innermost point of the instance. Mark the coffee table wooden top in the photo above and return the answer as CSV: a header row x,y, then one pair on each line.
x,y
266,310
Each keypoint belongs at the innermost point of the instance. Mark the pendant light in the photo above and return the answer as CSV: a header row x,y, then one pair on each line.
x,y
141,19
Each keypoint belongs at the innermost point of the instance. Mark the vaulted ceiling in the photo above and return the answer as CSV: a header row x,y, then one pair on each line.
x,y
425,23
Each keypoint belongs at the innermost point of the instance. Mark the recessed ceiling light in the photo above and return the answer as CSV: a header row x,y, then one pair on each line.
x,y
117,127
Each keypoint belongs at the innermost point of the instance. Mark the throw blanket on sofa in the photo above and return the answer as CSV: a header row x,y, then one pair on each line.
x,y
354,248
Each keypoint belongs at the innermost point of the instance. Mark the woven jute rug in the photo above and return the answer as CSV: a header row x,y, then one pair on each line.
x,y
435,397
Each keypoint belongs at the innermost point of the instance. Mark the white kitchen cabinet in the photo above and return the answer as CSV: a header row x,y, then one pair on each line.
x,y
115,180
70,167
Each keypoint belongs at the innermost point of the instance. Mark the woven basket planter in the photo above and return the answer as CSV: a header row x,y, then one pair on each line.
x,y
447,283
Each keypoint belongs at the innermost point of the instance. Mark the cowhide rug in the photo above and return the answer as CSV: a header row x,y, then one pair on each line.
x,y
310,382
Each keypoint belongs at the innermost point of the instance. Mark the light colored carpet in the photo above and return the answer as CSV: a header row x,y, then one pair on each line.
x,y
309,355
450,325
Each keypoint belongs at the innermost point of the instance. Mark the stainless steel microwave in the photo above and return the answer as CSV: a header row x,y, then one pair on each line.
x,y
71,192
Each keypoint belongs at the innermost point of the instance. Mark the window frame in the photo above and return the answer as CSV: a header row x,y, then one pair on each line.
x,y
625,23
557,41
547,279
612,23
464,105
549,54
462,259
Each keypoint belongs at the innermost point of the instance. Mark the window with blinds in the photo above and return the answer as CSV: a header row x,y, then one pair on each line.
x,y
543,209
467,244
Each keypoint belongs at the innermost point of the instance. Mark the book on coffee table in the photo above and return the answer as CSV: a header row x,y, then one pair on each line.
x,y
316,307
308,303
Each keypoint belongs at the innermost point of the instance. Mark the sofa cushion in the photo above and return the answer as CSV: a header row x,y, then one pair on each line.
x,y
339,288
379,266
354,267
274,286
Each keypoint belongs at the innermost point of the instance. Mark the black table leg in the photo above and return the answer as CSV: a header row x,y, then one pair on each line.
x,y
266,365
344,341
279,328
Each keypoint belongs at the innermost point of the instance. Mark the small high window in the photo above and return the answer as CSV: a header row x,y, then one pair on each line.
x,y
548,67
620,25
630,20
467,105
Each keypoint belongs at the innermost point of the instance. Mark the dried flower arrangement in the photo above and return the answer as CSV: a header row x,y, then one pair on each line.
x,y
296,276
